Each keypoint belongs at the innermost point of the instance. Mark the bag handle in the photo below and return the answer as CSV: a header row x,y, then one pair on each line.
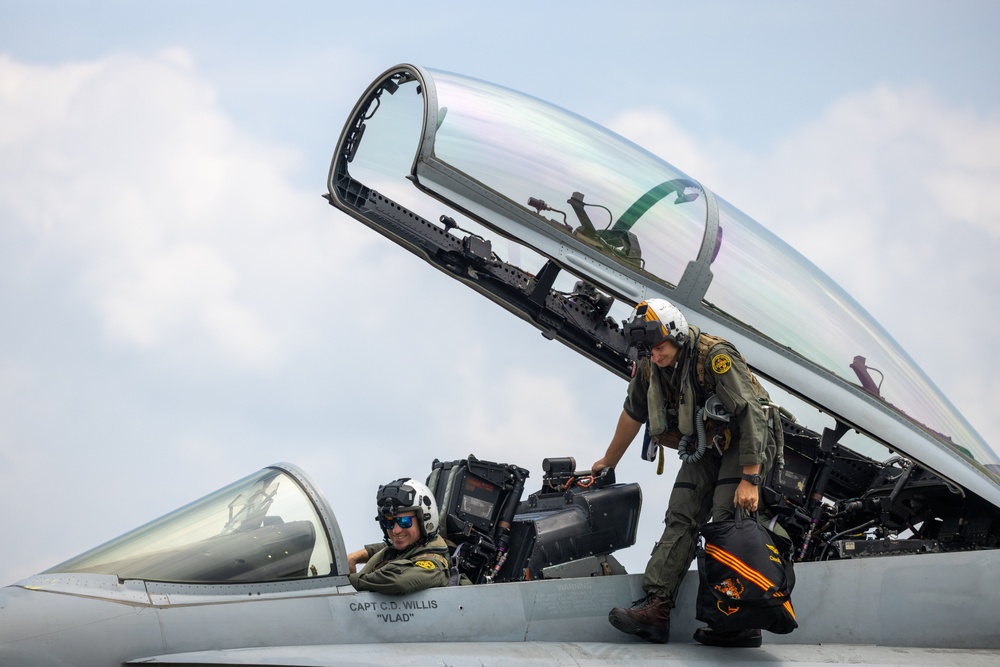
x,y
755,515
789,572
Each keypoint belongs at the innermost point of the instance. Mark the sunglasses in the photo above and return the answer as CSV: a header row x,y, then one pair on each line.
x,y
403,522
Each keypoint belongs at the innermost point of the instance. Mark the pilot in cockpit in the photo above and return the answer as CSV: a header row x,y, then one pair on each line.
x,y
413,556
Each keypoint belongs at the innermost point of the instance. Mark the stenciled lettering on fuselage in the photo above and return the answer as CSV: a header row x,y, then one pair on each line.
x,y
393,611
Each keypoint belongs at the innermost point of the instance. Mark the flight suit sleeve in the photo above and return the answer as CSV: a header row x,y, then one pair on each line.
x,y
401,576
636,401
736,391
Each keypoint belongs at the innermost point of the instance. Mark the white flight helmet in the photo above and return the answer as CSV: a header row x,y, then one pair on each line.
x,y
409,495
673,324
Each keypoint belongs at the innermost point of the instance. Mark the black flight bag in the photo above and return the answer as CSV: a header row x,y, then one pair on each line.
x,y
746,577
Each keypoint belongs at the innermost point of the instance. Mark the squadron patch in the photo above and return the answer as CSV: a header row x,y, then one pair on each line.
x,y
721,363
426,564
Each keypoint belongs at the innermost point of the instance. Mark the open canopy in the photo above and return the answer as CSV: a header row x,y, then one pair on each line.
x,y
630,223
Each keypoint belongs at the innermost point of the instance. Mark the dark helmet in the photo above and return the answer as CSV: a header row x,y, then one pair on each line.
x,y
409,495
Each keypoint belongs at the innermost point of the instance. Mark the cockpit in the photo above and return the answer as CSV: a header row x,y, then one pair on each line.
x,y
275,525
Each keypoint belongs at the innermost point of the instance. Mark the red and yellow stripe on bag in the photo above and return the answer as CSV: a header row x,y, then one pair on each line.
x,y
747,572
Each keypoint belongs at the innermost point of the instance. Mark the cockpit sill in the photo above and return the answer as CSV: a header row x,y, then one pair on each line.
x,y
148,592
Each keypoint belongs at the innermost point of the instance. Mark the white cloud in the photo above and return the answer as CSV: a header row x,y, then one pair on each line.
x,y
890,192
184,286
658,133
162,280
185,231
509,415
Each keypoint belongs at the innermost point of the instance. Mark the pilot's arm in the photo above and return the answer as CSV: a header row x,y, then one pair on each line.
x,y
400,576
362,556
736,391
625,433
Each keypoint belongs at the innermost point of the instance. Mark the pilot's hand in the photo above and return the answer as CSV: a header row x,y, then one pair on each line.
x,y
599,465
746,496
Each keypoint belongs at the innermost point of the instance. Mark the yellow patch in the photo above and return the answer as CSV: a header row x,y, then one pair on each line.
x,y
426,564
721,363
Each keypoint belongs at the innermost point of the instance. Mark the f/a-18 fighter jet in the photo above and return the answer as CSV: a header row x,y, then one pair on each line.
x,y
891,499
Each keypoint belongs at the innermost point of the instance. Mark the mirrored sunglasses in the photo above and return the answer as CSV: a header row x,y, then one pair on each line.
x,y
403,522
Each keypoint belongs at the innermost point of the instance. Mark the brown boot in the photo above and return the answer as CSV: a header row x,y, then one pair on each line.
x,y
741,638
648,618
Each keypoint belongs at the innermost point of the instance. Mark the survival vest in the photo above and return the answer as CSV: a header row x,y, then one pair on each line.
x,y
696,385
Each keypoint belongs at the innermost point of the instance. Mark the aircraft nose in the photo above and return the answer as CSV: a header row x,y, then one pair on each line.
x,y
21,642
41,627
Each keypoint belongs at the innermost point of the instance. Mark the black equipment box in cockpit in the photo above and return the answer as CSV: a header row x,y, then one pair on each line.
x,y
499,538
570,524
472,494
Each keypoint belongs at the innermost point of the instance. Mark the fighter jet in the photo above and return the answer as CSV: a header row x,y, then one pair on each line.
x,y
891,498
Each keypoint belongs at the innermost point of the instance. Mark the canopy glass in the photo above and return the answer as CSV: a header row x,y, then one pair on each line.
x,y
652,220
261,528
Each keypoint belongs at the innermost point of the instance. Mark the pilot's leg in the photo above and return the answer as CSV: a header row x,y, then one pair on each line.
x,y
690,503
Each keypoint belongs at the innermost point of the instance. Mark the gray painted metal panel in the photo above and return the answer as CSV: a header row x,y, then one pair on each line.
x,y
927,601
585,653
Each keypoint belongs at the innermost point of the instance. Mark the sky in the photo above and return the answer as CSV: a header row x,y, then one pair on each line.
x,y
179,307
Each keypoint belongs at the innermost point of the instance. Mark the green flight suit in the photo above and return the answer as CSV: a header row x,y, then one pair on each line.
x,y
703,489
423,565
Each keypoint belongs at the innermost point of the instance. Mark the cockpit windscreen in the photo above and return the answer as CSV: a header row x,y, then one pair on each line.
x,y
261,528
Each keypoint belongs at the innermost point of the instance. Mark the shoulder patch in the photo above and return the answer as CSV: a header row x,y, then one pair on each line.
x,y
426,564
721,363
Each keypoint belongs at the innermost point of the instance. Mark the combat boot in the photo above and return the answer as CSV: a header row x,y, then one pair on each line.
x,y
648,618
740,638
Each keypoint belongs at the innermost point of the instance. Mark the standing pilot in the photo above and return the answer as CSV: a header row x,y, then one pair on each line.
x,y
678,389
413,556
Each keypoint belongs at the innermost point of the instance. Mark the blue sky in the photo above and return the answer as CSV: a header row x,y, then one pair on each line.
x,y
180,307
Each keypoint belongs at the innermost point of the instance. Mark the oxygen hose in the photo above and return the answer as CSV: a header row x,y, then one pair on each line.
x,y
682,446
